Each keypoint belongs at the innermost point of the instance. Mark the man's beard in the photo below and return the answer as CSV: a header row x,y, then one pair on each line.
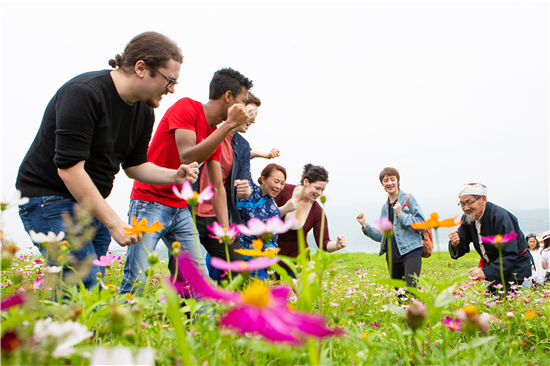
x,y
470,218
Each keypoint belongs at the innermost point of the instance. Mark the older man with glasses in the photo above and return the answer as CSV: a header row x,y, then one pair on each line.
x,y
483,218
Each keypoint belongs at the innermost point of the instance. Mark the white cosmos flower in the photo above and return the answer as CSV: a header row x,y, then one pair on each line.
x,y
53,269
67,335
122,356
42,238
15,200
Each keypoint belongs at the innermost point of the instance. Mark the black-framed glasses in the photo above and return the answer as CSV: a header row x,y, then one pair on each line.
x,y
469,203
169,80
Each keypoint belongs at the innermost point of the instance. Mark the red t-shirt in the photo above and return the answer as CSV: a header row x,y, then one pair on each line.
x,y
206,209
187,114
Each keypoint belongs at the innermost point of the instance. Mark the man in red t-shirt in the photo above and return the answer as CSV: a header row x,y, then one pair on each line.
x,y
187,133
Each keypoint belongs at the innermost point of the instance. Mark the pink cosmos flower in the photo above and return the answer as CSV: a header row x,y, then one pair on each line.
x,y
106,261
12,301
37,283
258,309
454,325
273,225
244,266
384,226
192,197
225,235
374,325
499,240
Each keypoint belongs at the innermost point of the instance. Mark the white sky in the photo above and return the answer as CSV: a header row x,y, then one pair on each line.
x,y
447,93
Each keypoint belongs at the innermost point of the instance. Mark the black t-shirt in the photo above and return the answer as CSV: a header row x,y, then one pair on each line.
x,y
86,120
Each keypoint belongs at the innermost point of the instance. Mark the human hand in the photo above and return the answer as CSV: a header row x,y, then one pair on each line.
x,y
361,219
119,234
237,115
274,153
476,272
252,111
243,188
455,239
187,172
397,208
341,242
291,205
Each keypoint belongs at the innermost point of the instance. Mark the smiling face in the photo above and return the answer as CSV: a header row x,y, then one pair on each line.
x,y
154,87
532,243
274,184
252,110
314,190
473,206
390,184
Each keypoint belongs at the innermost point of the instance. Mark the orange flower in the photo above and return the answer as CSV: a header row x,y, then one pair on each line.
x,y
530,314
141,227
433,222
290,307
257,251
528,334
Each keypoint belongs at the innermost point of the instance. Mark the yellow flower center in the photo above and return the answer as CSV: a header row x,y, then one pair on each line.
x,y
256,294
498,238
176,245
243,265
470,311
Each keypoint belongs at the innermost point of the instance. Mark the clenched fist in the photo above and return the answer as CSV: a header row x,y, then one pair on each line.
x,y
361,219
455,239
243,188
237,115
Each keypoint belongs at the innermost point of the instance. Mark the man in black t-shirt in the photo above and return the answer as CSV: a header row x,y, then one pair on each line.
x,y
93,124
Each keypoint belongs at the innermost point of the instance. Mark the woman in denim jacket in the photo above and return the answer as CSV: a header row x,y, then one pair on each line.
x,y
406,242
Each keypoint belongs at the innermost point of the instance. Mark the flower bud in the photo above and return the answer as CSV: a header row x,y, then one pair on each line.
x,y
323,199
153,258
415,316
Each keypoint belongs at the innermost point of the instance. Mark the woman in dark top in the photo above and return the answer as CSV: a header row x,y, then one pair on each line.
x,y
301,203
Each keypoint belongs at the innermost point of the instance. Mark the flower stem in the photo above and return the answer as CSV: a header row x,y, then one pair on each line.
x,y
502,274
228,260
195,237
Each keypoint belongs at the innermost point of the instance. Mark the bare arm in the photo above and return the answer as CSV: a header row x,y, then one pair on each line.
x,y
219,202
83,189
191,150
340,243
150,173
544,265
274,153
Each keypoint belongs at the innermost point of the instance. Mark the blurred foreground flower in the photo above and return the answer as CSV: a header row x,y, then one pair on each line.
x,y
434,223
15,200
12,301
258,246
416,314
221,233
106,261
384,226
122,356
140,227
41,238
254,264
499,240
66,335
273,225
258,309
193,198
471,320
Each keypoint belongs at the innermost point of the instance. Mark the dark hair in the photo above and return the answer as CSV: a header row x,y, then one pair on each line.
x,y
268,170
154,49
228,79
546,244
532,236
252,99
314,173
390,172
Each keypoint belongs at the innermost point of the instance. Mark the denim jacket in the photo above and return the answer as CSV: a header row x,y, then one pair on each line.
x,y
240,170
406,237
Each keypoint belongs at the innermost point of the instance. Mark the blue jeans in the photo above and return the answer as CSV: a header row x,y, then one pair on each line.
x,y
178,226
43,214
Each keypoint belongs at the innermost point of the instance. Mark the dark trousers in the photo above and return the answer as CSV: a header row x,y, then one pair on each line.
x,y
407,269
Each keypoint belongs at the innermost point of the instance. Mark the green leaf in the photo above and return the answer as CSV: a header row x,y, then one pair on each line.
x,y
445,297
397,310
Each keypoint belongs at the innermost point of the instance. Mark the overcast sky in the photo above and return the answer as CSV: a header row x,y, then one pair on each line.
x,y
447,93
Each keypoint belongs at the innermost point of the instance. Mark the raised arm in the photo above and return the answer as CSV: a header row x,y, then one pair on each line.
x,y
274,153
150,173
219,202
191,150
